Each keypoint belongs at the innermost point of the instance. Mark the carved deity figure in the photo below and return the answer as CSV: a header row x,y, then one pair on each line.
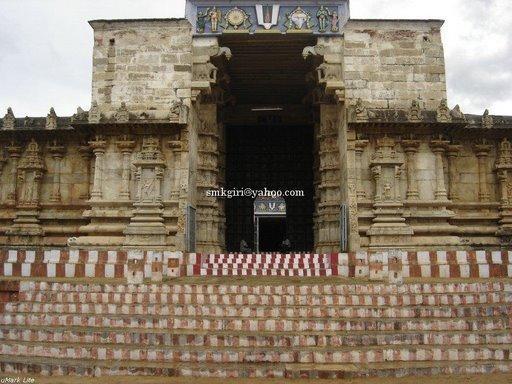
x,y
214,15
443,112
323,15
51,119
457,114
487,120
9,119
415,111
94,113
335,22
122,115
201,21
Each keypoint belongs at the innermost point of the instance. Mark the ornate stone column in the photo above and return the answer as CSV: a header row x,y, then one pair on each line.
x,y
125,145
482,154
98,146
2,163
147,226
452,153
389,228
14,152
360,145
503,169
410,147
438,147
85,154
26,228
57,151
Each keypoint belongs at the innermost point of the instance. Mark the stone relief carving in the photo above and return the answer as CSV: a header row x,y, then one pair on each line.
x,y
414,113
51,119
9,119
31,168
80,115
443,112
122,115
457,114
361,113
487,120
178,113
94,113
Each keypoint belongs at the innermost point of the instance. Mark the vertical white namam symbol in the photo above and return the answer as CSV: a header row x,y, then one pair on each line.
x,y
263,18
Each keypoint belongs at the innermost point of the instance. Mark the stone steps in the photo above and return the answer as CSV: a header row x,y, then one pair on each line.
x,y
240,324
261,311
83,367
157,337
327,287
242,330
201,354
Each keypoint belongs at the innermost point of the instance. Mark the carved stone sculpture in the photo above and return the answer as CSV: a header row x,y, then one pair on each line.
x,y
51,119
9,119
178,113
147,227
415,111
487,120
122,115
457,114
443,112
94,113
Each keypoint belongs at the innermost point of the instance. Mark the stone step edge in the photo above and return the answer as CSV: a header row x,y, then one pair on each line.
x,y
237,366
62,344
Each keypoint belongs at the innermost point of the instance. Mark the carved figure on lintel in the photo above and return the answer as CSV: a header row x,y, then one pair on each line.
x,y
201,21
298,20
323,16
237,18
214,15
335,22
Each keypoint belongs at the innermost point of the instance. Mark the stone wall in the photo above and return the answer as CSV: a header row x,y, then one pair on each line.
x,y
145,63
388,63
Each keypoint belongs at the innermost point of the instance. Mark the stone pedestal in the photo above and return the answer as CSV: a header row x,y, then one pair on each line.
x,y
147,226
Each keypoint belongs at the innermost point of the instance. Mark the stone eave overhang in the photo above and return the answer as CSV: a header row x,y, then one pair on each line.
x,y
136,127
420,127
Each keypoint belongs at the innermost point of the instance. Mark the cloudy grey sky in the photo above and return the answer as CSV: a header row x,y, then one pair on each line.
x,y
46,46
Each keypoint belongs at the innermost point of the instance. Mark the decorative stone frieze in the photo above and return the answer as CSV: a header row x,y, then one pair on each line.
x,y
9,120
147,224
503,168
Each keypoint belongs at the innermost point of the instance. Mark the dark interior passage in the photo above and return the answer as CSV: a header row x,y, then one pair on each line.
x,y
272,231
276,158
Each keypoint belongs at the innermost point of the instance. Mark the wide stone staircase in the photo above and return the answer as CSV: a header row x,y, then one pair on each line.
x,y
252,328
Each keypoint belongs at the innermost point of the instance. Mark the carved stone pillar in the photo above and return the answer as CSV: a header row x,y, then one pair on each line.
x,y
125,145
26,228
14,152
410,148
85,154
482,154
438,147
98,146
503,169
147,226
57,151
453,153
389,228
360,145
3,161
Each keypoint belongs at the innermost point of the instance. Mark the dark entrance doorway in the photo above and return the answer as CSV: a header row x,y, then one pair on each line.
x,y
277,158
272,231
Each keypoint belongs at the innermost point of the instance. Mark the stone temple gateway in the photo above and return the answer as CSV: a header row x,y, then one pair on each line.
x,y
286,96
398,225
